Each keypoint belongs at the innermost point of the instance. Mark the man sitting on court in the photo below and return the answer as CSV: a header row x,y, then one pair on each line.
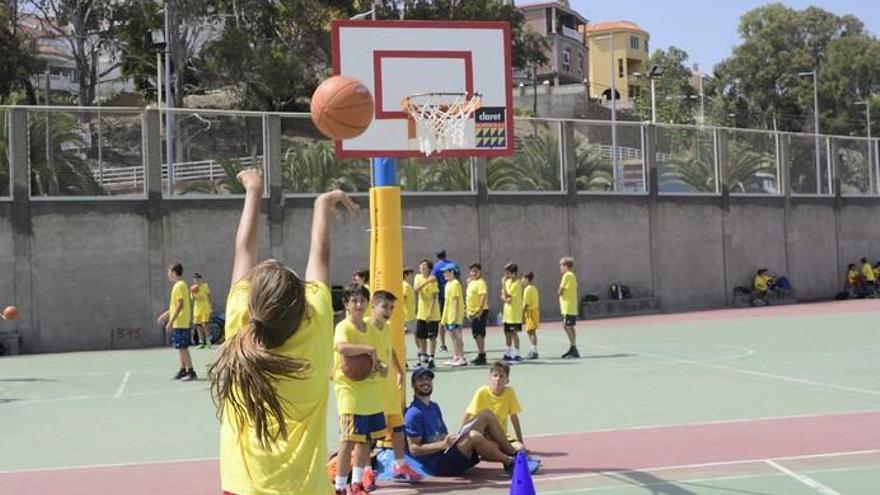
x,y
441,453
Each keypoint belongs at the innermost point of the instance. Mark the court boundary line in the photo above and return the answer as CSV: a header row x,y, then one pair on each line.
x,y
122,385
703,480
708,423
803,479
538,479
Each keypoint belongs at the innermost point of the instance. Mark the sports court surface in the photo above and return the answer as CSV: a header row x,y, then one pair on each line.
x,y
778,400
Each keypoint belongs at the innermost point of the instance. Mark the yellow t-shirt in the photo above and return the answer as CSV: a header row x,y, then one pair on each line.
x,y
391,403
180,292
868,272
568,300
427,298
761,282
202,302
531,307
451,314
362,397
851,276
502,406
296,463
475,289
513,310
409,302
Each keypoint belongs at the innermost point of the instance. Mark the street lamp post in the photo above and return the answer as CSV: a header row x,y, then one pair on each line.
x,y
867,104
815,124
169,104
655,72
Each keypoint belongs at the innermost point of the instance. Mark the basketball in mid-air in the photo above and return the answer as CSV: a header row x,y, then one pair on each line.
x,y
10,313
342,107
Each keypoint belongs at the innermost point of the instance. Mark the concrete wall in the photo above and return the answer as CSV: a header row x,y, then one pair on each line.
x,y
92,281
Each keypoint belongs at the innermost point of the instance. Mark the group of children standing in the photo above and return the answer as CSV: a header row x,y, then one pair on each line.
x,y
435,317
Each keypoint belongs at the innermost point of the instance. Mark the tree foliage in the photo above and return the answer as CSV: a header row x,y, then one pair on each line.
x,y
676,99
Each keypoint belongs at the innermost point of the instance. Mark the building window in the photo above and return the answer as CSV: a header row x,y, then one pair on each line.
x,y
581,64
548,20
620,67
634,92
566,60
646,46
634,42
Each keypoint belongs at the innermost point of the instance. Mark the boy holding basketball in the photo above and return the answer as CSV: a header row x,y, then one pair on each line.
x,y
531,312
361,417
177,322
512,316
382,308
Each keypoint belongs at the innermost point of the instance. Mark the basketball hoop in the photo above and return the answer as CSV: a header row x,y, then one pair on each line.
x,y
438,120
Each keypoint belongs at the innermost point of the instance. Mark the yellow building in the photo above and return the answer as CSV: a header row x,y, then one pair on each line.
x,y
629,56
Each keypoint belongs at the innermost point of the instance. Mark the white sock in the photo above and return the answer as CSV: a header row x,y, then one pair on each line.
x,y
510,351
534,348
341,482
357,475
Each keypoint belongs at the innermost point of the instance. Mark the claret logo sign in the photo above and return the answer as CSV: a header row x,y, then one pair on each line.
x,y
490,128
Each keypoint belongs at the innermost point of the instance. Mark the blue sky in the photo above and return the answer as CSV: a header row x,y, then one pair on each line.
x,y
706,29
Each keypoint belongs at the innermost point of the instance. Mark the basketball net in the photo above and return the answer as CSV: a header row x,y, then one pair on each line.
x,y
438,120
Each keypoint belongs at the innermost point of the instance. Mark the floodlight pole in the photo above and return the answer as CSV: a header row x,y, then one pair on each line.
x,y
169,104
816,126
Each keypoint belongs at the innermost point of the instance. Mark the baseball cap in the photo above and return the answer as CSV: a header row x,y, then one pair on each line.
x,y
420,371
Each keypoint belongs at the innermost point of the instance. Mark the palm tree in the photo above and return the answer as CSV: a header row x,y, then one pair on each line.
x,y
536,166
748,169
445,174
313,167
69,173
690,166
227,184
852,169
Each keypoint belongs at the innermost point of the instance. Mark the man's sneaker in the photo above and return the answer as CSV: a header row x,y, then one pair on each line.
x,y
572,353
357,489
180,374
532,355
480,360
405,473
189,376
369,481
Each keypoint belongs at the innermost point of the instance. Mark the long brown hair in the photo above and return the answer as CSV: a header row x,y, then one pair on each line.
x,y
246,369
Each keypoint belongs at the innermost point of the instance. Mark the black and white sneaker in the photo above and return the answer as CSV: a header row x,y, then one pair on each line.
x,y
180,374
189,376
532,355
571,354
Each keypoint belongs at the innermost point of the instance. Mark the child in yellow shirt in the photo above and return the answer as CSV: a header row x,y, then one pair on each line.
x,y
409,301
382,307
177,321
269,379
477,306
360,403
427,313
531,313
201,301
500,400
512,315
453,315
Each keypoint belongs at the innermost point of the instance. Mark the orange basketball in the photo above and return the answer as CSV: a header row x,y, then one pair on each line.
x,y
342,107
10,313
357,367
194,288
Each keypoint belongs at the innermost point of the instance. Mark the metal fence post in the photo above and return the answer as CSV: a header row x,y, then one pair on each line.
x,y
275,182
22,228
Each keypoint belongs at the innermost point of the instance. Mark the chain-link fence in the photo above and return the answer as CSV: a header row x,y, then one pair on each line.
x,y
90,152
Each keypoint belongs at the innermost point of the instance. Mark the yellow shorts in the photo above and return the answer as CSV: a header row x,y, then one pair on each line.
x,y
530,319
201,317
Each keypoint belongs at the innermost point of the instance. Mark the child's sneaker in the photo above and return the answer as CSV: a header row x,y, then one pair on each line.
x,y
341,491
507,357
357,489
405,473
458,363
480,360
180,374
369,480
532,355
189,376
443,348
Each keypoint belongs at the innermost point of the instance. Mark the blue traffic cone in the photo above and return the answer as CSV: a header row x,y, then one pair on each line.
x,y
521,484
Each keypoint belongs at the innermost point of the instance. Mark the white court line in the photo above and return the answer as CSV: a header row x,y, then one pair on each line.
x,y
538,479
707,423
806,480
122,385
801,381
